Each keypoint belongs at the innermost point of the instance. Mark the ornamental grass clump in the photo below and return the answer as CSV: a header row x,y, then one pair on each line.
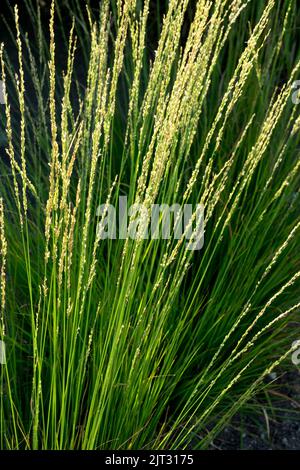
x,y
131,343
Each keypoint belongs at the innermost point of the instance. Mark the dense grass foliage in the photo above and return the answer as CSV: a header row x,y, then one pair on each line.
x,y
126,344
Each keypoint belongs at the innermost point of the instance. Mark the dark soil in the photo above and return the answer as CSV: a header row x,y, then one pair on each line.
x,y
274,428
